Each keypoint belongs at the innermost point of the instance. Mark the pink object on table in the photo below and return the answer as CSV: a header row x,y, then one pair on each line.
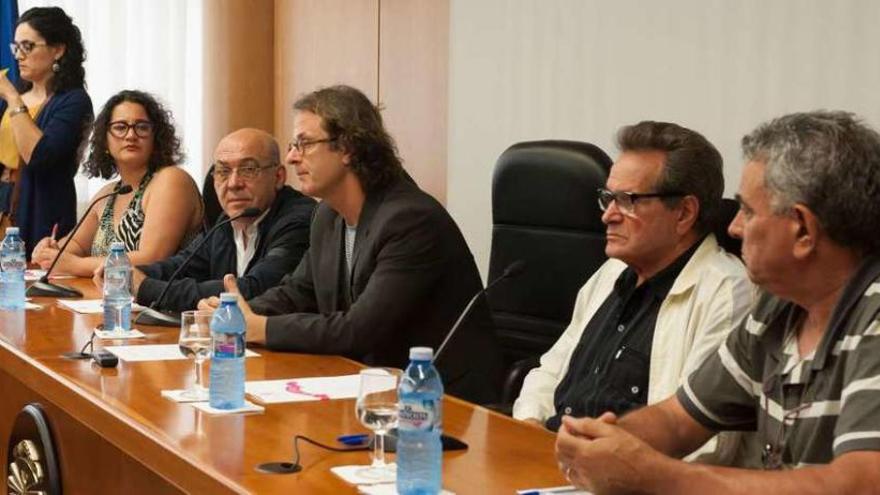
x,y
294,388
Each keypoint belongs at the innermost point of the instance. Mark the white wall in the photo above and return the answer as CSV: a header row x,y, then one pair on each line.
x,y
579,69
154,46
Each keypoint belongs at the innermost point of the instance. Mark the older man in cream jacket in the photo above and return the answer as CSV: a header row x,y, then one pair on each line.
x,y
665,300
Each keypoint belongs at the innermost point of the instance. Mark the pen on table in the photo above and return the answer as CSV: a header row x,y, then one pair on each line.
x,y
358,439
555,489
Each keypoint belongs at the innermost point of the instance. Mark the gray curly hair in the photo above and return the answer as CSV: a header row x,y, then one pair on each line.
x,y
828,161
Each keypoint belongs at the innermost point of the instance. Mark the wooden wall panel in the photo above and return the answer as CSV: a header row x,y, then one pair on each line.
x,y
322,43
413,68
238,66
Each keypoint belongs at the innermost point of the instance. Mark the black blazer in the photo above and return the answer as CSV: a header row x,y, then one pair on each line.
x,y
412,275
284,238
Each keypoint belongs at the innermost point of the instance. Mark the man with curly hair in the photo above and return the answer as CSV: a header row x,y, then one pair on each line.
x,y
387,268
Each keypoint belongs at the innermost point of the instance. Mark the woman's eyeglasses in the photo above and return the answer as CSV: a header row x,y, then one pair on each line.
x,y
24,46
142,128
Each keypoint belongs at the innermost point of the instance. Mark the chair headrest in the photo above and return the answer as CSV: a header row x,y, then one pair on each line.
x,y
549,184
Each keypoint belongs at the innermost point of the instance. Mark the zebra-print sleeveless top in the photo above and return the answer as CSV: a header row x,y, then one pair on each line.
x,y
130,225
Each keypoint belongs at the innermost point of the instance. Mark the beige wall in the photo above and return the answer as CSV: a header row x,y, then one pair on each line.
x,y
395,51
238,68
260,55
413,69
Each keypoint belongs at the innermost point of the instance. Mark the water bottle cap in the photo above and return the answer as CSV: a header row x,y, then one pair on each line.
x,y
117,246
11,230
421,353
228,297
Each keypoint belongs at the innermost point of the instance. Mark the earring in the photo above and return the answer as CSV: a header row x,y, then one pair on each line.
x,y
56,67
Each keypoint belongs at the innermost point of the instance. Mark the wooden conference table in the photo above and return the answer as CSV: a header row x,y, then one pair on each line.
x,y
113,432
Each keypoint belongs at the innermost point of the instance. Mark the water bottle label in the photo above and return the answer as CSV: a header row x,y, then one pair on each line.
x,y
228,345
416,415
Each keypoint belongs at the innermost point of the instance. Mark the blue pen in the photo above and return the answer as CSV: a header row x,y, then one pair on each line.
x,y
358,439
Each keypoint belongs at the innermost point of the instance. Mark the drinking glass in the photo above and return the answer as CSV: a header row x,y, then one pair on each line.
x,y
376,409
195,343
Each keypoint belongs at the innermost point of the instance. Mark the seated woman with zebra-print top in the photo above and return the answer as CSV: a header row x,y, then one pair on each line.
x,y
134,138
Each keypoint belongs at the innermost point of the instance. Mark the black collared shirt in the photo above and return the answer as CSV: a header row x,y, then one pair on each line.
x,y
609,367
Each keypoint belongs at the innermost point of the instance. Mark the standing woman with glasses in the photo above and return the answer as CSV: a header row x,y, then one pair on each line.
x,y
43,123
133,138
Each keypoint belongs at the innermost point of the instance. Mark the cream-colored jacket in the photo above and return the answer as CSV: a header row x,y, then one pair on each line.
x,y
708,298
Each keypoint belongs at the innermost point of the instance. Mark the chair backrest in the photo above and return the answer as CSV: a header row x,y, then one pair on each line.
x,y
213,210
729,208
544,212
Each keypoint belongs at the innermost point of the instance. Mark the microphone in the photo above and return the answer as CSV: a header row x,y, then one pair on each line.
x,y
513,270
44,288
152,316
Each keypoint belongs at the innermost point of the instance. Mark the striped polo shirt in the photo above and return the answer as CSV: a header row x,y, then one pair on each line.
x,y
806,410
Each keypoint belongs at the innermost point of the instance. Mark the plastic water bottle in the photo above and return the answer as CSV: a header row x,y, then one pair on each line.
x,y
117,290
226,390
420,413
13,264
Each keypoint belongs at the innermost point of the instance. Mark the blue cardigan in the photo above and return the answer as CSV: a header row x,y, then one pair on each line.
x,y
46,192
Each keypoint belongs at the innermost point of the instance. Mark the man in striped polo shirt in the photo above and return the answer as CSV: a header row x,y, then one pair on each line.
x,y
803,370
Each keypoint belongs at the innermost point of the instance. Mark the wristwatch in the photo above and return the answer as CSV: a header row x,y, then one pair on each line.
x,y
18,110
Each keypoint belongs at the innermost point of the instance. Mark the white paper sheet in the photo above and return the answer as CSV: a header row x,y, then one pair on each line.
x,y
249,408
91,306
158,352
387,489
318,388
34,275
134,333
351,474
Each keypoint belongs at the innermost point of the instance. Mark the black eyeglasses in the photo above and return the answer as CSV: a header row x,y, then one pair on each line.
x,y
24,46
250,169
626,201
301,145
142,128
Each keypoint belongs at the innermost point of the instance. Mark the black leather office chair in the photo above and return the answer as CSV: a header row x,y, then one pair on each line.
x,y
213,210
545,212
729,208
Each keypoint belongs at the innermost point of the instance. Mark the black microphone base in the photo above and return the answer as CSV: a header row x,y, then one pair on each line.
x,y
77,355
158,318
46,289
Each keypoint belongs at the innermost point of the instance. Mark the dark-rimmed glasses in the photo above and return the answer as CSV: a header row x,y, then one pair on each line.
x,y
249,169
25,47
626,201
142,128
301,145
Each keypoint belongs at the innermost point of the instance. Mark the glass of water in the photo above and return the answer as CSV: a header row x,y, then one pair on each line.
x,y
195,343
376,409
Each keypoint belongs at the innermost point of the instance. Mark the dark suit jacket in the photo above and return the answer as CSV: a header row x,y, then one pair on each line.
x,y
46,192
283,239
412,275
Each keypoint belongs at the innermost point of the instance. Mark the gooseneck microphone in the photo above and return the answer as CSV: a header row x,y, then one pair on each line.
x,y
44,288
152,316
513,270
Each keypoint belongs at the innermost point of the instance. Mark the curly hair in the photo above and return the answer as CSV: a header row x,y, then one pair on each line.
x,y
166,144
355,123
57,28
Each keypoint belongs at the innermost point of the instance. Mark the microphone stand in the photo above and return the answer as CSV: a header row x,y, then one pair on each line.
x,y
44,288
512,270
155,317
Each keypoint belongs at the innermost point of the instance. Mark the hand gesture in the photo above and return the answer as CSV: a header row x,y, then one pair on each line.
x,y
599,456
7,89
